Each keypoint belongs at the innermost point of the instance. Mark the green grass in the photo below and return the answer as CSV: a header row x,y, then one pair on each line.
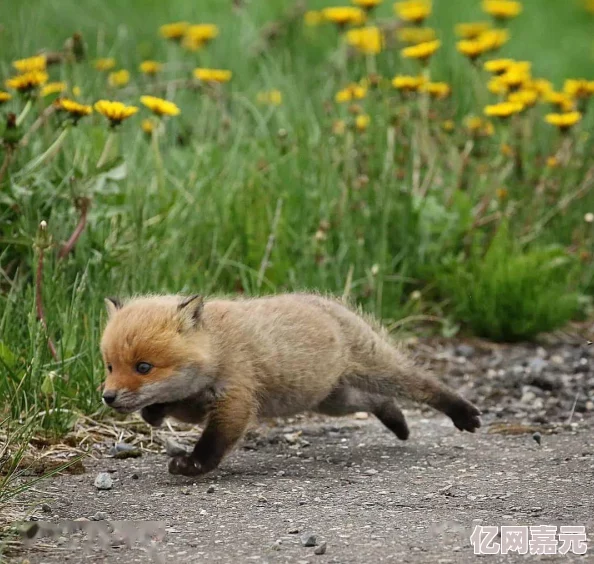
x,y
382,214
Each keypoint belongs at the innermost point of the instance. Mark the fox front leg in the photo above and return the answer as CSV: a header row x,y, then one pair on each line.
x,y
227,423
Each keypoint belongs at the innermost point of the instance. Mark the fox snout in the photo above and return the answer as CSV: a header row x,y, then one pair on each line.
x,y
109,396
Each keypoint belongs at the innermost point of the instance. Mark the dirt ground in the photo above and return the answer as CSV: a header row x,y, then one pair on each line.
x,y
363,494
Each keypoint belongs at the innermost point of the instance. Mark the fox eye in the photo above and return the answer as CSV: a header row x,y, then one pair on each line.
x,y
143,367
109,367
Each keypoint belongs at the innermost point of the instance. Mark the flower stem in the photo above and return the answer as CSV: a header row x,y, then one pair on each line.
x,y
106,149
50,153
158,158
24,113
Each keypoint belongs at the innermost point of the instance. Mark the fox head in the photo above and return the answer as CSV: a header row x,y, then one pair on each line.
x,y
155,350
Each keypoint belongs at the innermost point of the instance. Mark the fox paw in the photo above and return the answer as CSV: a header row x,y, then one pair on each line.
x,y
465,416
185,465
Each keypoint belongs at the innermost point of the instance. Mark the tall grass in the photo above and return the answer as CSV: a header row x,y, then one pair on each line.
x,y
258,199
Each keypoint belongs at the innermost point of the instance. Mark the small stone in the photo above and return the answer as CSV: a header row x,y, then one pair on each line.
x,y
465,350
103,481
82,519
309,540
370,472
293,531
320,549
537,437
174,449
361,415
537,365
186,491
528,397
134,476
46,508
302,502
589,405
99,516
262,499
210,489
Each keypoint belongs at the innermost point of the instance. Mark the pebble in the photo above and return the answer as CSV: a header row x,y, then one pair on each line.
x,y
320,549
361,415
46,508
124,450
262,499
293,531
370,472
465,350
134,476
103,481
537,365
309,540
174,449
210,489
99,516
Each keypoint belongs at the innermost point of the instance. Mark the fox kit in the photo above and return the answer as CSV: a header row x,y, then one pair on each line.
x,y
229,362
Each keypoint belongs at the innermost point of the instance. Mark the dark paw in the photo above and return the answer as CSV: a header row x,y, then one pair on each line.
x,y
154,414
185,465
465,416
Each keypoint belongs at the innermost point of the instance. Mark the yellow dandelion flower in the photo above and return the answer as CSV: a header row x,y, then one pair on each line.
x,y
498,66
344,15
552,162
368,40
271,97
479,127
53,88
174,31
560,99
503,109
212,75
362,122
313,18
416,11
408,83
496,86
159,106
367,5
541,85
353,91
27,81
148,126
471,48
471,30
118,78
31,64
415,35
4,97
150,67
115,112
422,51
105,64
516,75
578,88
493,39
199,35
448,125
525,96
502,9
75,109
565,120
437,89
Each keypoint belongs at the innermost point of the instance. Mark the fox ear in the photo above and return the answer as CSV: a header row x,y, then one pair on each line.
x,y
112,305
191,309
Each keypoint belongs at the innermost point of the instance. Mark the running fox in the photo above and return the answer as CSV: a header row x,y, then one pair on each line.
x,y
231,361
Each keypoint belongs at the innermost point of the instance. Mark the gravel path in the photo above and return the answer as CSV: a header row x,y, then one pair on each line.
x,y
364,495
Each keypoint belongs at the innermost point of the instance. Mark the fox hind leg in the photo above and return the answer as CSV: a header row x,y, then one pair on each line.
x,y
345,400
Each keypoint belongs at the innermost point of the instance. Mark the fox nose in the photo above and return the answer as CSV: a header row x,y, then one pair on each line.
x,y
109,397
